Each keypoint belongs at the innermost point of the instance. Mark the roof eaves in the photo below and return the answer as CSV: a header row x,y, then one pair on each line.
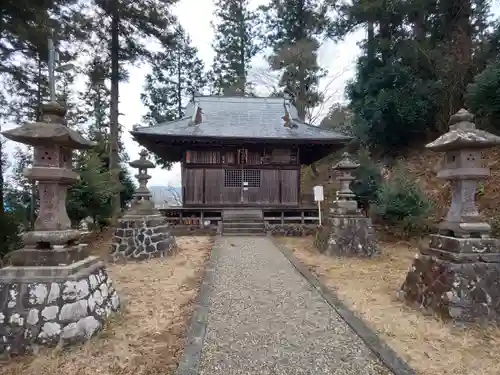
x,y
323,131
154,128
190,137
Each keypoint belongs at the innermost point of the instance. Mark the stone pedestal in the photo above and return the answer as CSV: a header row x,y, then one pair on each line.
x,y
458,278
349,232
52,305
350,236
141,238
457,275
143,232
53,291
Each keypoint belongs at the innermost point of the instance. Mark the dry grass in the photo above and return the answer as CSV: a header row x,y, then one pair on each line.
x,y
369,287
147,337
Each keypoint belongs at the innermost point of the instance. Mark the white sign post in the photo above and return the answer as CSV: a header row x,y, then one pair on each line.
x,y
319,197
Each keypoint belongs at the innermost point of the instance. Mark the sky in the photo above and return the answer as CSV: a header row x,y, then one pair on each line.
x,y
339,59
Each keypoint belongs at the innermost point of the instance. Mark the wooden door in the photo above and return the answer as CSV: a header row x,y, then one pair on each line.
x,y
251,186
269,190
233,183
289,182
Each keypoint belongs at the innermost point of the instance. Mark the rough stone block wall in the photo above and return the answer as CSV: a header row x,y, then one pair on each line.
x,y
142,238
47,313
460,291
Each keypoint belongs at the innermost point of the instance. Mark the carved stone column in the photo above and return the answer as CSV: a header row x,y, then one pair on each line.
x,y
458,273
349,232
48,292
143,232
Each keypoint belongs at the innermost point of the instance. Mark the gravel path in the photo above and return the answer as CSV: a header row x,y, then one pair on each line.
x,y
265,318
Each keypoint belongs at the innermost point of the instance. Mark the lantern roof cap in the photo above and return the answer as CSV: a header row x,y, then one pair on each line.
x,y
142,162
346,163
51,130
463,134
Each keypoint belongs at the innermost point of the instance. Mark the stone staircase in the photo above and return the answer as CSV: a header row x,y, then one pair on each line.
x,y
243,223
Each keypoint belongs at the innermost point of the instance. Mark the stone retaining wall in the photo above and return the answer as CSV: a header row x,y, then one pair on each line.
x,y
48,313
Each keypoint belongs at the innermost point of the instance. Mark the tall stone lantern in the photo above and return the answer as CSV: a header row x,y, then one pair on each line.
x,y
142,233
53,291
458,273
349,232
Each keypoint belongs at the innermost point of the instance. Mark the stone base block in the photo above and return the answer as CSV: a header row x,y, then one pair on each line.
x,y
456,278
350,236
141,238
53,305
58,255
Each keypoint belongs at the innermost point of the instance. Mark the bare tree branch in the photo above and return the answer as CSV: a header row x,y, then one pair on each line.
x,y
269,80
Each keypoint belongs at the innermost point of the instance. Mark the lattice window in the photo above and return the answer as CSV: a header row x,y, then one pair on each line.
x,y
232,178
252,177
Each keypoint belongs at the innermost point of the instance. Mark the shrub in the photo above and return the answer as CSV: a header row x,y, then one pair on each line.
x,y
402,204
10,237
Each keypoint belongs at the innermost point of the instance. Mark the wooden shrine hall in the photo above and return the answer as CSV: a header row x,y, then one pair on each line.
x,y
240,152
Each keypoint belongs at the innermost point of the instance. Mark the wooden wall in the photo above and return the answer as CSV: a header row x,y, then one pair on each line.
x,y
232,177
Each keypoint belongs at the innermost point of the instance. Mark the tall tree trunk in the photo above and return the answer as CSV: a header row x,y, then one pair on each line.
x,y
179,86
3,234
242,68
370,41
455,67
113,126
463,39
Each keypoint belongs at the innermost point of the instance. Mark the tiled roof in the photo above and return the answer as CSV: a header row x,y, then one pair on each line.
x,y
241,117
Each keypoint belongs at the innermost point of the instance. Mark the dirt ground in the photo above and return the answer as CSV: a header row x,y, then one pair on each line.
x,y
147,337
369,288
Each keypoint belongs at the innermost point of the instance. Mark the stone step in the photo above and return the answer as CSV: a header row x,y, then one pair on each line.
x,y
243,229
245,234
242,224
242,214
243,218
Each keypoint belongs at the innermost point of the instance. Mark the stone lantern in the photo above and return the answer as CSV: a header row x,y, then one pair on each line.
x,y
457,273
142,202
142,233
49,292
345,197
53,242
350,233
463,168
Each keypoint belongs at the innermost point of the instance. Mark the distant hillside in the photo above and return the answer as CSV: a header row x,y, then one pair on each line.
x,y
164,196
